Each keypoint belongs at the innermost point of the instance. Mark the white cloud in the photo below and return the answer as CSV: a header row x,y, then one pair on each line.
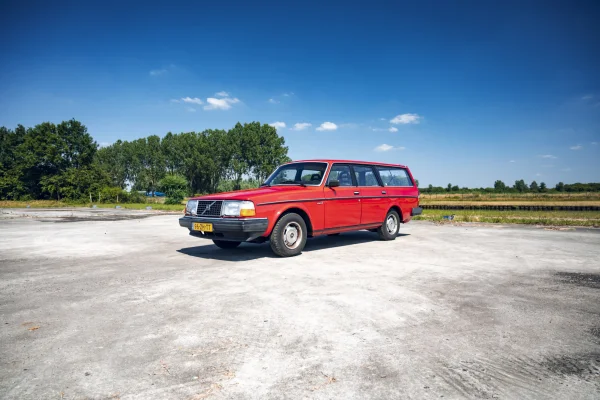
x,y
578,147
103,144
387,147
288,94
327,126
595,143
273,101
158,72
548,156
587,97
220,104
190,109
192,100
406,119
382,119
278,125
512,161
300,126
222,94
175,101
393,129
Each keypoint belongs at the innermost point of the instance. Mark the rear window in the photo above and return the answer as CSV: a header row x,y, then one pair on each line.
x,y
394,176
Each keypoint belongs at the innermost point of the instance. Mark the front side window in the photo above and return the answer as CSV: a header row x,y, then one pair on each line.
x,y
298,174
394,176
365,175
342,174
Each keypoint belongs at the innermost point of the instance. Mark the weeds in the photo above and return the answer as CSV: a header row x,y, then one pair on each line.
x,y
548,218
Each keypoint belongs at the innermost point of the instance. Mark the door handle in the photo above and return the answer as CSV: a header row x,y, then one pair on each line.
x,y
383,192
356,193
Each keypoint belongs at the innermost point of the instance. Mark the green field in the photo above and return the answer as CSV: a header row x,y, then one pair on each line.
x,y
547,218
62,204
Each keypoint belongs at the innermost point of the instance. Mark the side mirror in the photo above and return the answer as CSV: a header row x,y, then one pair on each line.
x,y
333,183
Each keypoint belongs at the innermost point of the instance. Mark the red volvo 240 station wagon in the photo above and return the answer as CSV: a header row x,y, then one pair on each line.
x,y
302,199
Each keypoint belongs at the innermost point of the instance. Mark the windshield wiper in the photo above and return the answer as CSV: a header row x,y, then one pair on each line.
x,y
293,183
265,185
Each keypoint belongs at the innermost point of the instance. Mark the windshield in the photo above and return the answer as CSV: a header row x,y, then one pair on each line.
x,y
298,174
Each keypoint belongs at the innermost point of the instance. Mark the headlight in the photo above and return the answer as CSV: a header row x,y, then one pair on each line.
x,y
238,209
191,207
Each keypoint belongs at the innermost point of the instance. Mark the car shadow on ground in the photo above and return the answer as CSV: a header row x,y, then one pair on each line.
x,y
250,251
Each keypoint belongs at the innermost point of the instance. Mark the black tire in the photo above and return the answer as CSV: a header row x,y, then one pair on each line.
x,y
298,231
226,244
384,231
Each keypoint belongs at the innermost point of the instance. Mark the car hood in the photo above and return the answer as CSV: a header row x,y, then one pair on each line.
x,y
261,193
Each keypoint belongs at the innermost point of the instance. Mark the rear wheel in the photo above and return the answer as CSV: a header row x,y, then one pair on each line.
x,y
288,237
226,244
391,226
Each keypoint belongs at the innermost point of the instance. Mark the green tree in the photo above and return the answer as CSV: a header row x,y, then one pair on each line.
x,y
499,186
520,186
49,151
534,187
543,187
560,187
449,187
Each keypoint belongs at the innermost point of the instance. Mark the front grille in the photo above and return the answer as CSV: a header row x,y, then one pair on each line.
x,y
209,208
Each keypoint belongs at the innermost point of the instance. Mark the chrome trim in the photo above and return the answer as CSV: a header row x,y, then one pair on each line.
x,y
335,198
326,172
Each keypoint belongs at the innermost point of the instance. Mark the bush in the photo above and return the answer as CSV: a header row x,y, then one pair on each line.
x,y
176,197
173,186
113,195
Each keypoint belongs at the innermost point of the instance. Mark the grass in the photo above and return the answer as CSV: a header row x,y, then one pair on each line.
x,y
501,202
547,199
547,218
62,204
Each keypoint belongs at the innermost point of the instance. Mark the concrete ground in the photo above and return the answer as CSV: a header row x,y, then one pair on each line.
x,y
121,304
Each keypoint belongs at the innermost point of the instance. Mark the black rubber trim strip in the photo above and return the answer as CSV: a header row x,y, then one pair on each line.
x,y
336,198
350,227
416,211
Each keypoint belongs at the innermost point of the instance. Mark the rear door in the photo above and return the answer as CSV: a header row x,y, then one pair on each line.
x,y
372,197
342,203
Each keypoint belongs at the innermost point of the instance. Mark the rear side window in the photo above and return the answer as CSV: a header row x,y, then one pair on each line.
x,y
342,174
394,176
365,176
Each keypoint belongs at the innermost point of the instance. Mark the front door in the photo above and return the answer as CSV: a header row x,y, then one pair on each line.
x,y
342,203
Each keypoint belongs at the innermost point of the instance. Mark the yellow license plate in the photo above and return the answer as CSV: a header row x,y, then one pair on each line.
x,y
199,226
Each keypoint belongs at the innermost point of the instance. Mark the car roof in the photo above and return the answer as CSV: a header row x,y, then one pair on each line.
x,y
351,162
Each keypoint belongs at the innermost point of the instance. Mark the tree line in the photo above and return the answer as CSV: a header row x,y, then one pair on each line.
x,y
520,186
62,161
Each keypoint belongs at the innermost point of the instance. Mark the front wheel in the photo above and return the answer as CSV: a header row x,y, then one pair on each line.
x,y
289,235
226,244
391,226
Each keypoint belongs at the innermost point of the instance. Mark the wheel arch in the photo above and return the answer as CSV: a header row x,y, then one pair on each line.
x,y
302,213
396,208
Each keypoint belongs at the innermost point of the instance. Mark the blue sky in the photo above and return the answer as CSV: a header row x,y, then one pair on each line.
x,y
462,92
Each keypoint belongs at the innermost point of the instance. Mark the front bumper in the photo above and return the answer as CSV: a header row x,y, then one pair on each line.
x,y
233,229
416,211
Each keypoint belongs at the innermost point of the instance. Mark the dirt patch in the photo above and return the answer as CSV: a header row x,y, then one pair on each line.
x,y
97,218
580,279
586,366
